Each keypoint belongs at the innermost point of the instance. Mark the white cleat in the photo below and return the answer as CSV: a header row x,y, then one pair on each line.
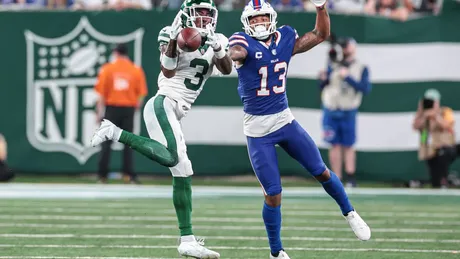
x,y
106,131
282,255
359,227
195,249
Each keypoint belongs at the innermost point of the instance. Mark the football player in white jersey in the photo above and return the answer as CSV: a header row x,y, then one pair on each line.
x,y
181,80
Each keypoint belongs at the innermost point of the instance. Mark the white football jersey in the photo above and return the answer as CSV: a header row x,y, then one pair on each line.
x,y
193,69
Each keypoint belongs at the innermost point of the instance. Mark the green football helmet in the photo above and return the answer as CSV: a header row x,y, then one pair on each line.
x,y
198,13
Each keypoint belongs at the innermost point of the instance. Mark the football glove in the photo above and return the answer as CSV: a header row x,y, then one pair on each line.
x,y
211,38
176,26
318,3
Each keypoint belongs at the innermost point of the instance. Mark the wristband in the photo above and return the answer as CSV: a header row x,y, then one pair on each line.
x,y
169,63
220,54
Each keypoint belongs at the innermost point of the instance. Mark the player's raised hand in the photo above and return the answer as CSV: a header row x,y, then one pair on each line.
x,y
211,38
176,26
318,3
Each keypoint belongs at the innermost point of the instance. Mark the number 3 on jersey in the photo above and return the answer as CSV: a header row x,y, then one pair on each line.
x,y
263,72
199,74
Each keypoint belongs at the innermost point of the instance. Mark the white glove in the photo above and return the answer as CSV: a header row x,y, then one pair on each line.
x,y
318,3
212,39
176,26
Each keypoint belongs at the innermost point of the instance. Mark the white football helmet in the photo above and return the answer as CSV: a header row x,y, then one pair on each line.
x,y
255,8
191,16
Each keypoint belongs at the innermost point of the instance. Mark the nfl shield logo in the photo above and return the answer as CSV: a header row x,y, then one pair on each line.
x,y
61,73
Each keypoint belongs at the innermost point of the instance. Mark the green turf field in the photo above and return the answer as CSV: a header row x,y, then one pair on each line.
x,y
404,226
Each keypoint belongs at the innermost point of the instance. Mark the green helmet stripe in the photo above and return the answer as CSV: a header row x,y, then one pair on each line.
x,y
164,39
166,35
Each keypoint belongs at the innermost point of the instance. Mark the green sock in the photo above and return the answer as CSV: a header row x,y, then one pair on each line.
x,y
182,199
150,148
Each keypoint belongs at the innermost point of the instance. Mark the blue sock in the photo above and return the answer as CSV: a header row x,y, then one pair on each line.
x,y
272,220
335,189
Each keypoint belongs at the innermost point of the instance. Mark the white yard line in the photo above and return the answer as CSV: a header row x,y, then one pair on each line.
x,y
335,213
205,227
85,191
252,238
257,212
246,248
79,257
302,220
93,206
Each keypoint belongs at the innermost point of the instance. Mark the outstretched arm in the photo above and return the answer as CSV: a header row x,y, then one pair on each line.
x,y
238,54
318,35
224,65
169,59
168,47
220,46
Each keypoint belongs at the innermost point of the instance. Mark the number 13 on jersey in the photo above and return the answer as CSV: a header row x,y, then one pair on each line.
x,y
277,89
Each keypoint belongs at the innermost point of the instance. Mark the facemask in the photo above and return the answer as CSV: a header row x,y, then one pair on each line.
x,y
261,32
260,29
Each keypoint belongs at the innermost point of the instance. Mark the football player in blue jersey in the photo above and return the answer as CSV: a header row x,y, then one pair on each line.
x,y
261,54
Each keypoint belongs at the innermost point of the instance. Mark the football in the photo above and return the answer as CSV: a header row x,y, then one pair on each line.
x,y
189,39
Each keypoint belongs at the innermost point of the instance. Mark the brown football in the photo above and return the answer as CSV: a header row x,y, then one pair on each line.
x,y
189,39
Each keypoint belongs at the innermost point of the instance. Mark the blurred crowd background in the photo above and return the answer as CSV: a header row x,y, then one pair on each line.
x,y
401,10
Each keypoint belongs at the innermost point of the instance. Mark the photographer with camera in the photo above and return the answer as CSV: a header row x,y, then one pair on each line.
x,y
342,88
435,124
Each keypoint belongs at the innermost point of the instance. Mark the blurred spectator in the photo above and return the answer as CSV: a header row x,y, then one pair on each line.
x,y
171,4
58,4
112,4
346,6
343,86
435,123
121,88
22,4
5,174
392,9
239,4
288,5
423,6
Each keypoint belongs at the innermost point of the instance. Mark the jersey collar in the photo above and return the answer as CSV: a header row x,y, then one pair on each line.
x,y
276,38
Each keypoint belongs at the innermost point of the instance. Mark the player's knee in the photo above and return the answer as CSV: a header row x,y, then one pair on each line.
x,y
182,169
273,201
173,159
324,177
273,190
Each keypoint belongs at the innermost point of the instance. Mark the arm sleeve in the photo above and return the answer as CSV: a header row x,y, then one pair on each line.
x,y
290,31
238,39
364,85
291,34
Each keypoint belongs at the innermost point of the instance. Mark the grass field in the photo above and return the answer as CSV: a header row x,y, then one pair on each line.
x,y
87,221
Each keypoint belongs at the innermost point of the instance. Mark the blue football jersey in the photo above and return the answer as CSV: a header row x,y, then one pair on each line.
x,y
262,76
